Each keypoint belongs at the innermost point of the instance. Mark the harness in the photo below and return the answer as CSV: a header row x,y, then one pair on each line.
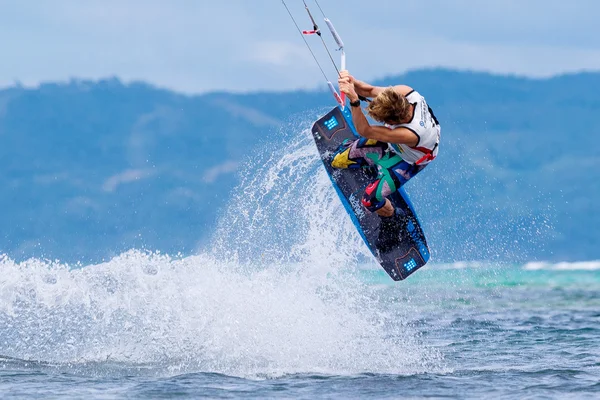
x,y
428,153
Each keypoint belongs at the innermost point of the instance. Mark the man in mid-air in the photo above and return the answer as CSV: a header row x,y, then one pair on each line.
x,y
400,148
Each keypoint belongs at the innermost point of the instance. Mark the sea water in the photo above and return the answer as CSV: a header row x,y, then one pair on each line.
x,y
286,302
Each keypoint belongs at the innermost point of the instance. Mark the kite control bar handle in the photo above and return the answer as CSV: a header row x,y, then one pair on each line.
x,y
341,98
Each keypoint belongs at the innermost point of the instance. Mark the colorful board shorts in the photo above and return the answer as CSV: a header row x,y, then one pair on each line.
x,y
392,170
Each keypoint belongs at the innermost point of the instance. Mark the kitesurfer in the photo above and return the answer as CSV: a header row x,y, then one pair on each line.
x,y
400,148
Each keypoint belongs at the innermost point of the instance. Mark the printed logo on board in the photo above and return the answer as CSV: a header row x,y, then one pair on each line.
x,y
410,265
331,123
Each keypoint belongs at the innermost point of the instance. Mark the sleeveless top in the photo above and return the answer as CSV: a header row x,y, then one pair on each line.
x,y
425,125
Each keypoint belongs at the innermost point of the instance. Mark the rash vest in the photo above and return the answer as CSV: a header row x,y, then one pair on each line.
x,y
426,127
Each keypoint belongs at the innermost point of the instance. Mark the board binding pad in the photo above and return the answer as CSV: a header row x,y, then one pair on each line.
x,y
412,252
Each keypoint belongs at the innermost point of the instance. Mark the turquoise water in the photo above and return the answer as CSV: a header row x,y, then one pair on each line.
x,y
286,302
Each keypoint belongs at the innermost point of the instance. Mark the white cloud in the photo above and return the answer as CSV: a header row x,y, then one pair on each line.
x,y
213,173
527,59
127,176
278,53
197,46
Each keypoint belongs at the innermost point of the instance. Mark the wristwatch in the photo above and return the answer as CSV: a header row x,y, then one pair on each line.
x,y
355,103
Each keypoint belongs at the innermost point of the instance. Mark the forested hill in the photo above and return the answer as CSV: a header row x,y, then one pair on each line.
x,y
89,169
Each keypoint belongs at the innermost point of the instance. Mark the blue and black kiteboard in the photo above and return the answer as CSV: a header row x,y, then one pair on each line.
x,y
412,252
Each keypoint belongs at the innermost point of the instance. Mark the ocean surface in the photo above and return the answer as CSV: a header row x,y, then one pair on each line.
x,y
147,326
286,302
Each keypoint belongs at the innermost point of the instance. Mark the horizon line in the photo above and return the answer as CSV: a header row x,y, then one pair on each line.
x,y
17,84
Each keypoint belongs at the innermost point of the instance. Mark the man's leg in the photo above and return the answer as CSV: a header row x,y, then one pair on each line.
x,y
358,153
393,173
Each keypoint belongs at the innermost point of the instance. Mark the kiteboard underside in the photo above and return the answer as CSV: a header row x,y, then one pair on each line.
x,y
412,252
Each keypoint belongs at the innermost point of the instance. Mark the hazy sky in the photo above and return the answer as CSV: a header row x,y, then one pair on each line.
x,y
197,46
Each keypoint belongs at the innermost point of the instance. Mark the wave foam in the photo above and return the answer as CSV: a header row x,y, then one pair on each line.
x,y
563,266
275,293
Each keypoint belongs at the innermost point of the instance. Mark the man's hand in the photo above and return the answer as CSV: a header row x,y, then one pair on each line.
x,y
346,83
346,75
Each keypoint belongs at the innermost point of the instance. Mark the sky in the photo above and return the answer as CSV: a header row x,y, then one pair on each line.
x,y
197,46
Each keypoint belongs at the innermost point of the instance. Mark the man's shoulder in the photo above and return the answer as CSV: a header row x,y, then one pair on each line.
x,y
404,90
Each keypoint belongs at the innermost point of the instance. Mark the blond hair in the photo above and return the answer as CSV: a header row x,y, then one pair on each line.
x,y
389,107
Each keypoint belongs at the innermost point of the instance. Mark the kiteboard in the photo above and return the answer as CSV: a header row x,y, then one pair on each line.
x,y
411,252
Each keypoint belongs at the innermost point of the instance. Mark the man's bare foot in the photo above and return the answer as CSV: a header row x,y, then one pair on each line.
x,y
387,210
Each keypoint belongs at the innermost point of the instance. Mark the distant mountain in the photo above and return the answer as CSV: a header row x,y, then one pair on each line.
x,y
89,169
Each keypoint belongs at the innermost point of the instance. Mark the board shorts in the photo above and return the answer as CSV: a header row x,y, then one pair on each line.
x,y
392,170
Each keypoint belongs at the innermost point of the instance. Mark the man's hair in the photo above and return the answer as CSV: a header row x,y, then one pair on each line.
x,y
389,107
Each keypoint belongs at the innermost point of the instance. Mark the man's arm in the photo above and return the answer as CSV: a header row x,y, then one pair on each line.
x,y
382,133
367,90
